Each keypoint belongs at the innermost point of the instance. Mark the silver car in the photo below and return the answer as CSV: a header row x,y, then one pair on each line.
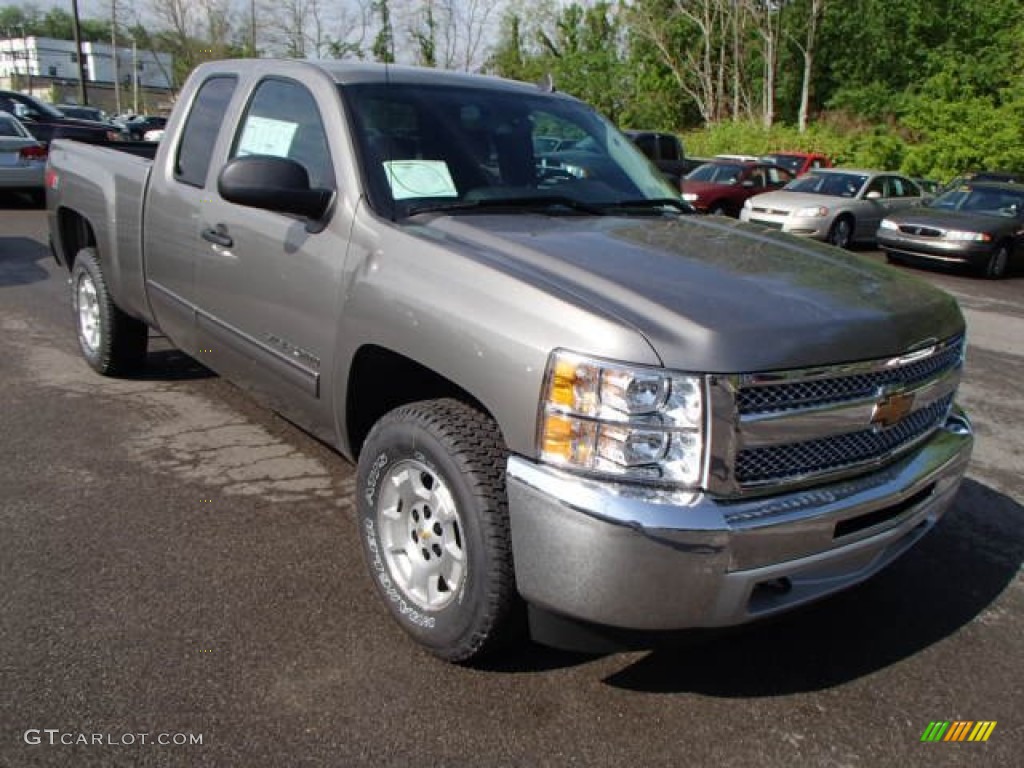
x,y
838,205
22,158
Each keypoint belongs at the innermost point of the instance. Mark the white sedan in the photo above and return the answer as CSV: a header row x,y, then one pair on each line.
x,y
837,205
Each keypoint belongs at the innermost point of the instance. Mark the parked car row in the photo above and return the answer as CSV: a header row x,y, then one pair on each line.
x,y
977,223
74,121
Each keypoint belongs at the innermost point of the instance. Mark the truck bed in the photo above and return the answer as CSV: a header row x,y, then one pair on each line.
x,y
105,184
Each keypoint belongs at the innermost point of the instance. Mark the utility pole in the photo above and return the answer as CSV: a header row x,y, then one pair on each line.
x,y
252,27
83,96
135,77
113,47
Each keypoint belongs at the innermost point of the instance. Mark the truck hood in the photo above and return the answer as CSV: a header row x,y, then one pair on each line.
x,y
712,295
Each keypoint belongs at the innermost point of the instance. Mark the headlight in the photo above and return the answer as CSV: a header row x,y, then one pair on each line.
x,y
887,224
627,422
576,170
811,213
689,197
972,237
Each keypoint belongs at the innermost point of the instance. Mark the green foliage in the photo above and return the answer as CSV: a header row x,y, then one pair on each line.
x,y
383,48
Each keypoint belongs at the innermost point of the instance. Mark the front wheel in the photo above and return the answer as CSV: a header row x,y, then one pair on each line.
x,y
112,342
841,232
997,263
433,520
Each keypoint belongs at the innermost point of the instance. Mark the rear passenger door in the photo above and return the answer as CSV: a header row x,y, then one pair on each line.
x,y
268,284
177,193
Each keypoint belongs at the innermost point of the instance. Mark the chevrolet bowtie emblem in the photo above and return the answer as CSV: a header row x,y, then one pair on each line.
x,y
891,409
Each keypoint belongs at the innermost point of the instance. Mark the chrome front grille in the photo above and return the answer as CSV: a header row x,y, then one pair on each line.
x,y
829,454
832,389
799,428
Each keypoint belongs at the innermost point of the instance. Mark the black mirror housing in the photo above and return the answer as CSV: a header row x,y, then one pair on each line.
x,y
273,184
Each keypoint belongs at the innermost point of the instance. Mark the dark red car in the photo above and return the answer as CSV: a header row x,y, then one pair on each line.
x,y
722,186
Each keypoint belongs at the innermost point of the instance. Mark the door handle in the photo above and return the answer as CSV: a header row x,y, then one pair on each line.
x,y
218,236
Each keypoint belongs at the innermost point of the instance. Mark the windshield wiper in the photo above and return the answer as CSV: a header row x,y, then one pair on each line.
x,y
649,203
532,202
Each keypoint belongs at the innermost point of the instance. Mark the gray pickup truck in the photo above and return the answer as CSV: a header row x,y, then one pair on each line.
x,y
575,407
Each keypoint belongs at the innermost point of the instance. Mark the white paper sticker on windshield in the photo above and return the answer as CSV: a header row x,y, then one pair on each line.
x,y
419,178
265,136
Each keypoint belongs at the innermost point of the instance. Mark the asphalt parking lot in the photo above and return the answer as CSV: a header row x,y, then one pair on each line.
x,y
179,565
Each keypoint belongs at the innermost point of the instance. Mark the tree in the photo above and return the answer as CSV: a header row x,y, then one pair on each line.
x,y
806,43
424,37
383,48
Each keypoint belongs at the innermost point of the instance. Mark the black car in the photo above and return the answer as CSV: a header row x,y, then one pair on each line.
x,y
980,223
94,114
46,123
136,127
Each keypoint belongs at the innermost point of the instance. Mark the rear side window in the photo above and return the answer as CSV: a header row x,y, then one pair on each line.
x,y
201,128
668,148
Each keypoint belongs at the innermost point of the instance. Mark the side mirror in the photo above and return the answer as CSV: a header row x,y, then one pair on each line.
x,y
873,195
747,183
273,184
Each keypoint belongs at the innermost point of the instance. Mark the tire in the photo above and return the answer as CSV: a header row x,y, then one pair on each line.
x,y
841,232
433,520
997,263
719,209
113,343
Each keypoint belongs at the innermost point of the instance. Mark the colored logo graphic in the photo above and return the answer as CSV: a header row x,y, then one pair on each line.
x,y
959,730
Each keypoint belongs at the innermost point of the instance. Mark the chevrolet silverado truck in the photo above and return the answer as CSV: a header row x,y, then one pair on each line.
x,y
575,407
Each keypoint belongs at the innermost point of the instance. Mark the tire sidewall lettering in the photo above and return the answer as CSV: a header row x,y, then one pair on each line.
x,y
387,585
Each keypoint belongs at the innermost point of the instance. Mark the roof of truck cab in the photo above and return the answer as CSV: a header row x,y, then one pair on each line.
x,y
351,72
346,73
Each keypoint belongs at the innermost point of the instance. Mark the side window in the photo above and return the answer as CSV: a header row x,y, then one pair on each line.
x,y
645,142
876,185
201,128
668,148
777,177
908,188
282,120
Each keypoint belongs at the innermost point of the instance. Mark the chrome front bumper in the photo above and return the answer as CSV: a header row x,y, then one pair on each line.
x,y
644,559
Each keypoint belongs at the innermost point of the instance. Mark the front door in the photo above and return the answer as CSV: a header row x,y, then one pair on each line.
x,y
268,284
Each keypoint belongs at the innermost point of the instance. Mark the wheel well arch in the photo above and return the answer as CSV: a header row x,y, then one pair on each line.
x,y
381,380
75,233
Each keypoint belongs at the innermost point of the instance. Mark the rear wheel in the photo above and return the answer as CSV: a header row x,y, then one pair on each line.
x,y
841,232
998,262
433,520
112,342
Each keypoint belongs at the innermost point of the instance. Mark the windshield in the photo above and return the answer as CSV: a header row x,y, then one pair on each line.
x,y
831,184
716,173
989,201
450,147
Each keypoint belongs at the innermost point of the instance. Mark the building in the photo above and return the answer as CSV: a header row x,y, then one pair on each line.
x,y
48,68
